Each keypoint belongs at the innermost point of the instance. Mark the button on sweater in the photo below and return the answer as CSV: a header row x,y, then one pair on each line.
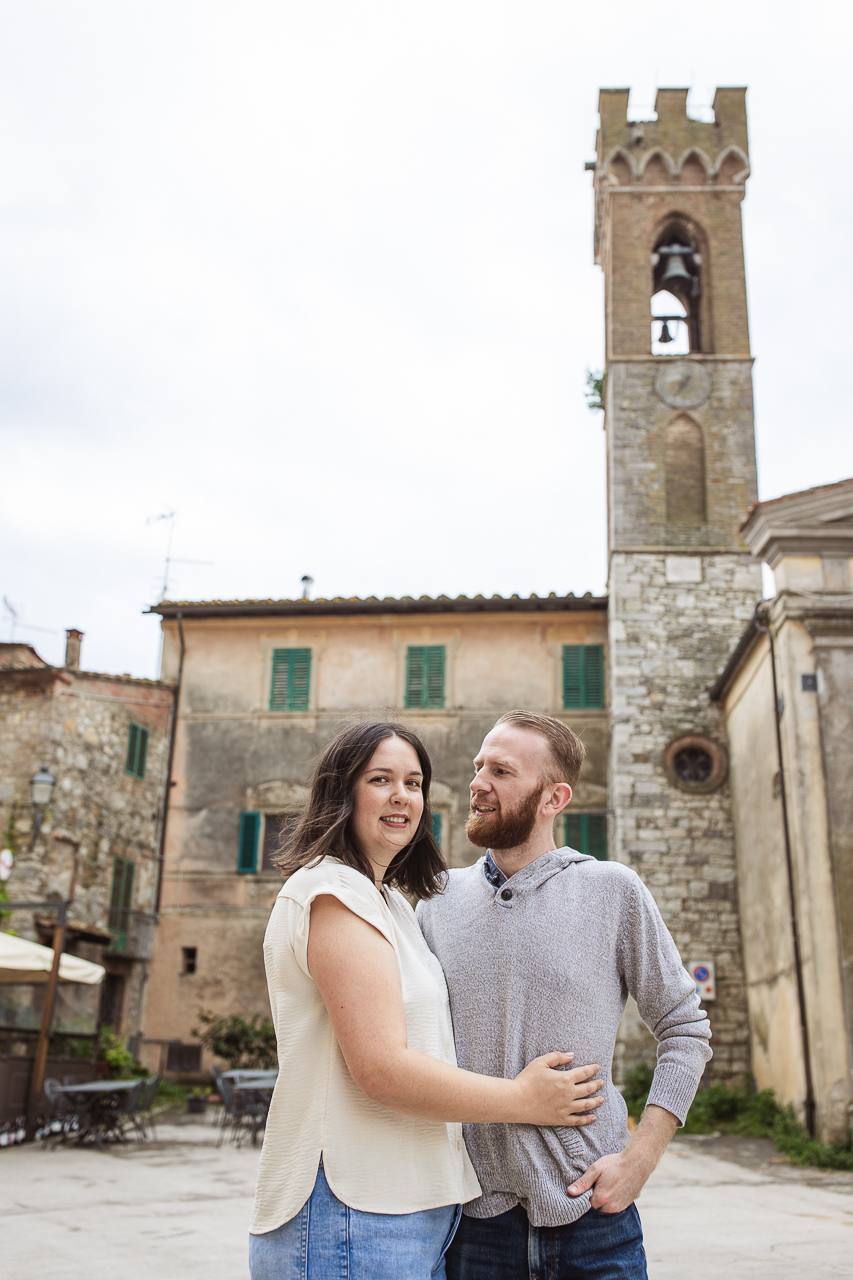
x,y
542,962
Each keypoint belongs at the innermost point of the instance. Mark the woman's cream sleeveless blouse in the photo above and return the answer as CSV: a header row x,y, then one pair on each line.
x,y
374,1159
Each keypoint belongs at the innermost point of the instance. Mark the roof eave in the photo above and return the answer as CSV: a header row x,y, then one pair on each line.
x,y
429,605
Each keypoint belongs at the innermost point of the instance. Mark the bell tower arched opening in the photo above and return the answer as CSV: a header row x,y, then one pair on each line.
x,y
677,275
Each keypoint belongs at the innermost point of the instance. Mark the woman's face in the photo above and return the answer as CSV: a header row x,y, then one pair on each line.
x,y
388,804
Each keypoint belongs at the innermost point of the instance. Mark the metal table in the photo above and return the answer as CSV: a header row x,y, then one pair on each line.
x,y
101,1107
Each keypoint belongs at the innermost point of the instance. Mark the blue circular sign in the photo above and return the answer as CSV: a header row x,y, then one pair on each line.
x,y
701,974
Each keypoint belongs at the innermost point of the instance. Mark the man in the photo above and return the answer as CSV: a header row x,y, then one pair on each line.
x,y
540,947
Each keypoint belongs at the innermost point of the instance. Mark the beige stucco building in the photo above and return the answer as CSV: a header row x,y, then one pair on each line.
x,y
264,685
790,731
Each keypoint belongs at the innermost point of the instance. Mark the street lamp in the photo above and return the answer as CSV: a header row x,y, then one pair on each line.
x,y
41,790
41,787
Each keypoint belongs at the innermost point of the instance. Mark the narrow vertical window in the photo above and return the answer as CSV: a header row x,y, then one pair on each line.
x,y
583,675
121,902
587,832
247,854
291,679
137,750
425,675
436,828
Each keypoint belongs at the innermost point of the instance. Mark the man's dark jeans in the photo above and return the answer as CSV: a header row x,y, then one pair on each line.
x,y
598,1246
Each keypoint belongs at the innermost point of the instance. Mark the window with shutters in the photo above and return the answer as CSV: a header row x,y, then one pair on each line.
x,y
278,829
291,679
425,675
121,902
436,828
587,832
247,853
583,675
137,750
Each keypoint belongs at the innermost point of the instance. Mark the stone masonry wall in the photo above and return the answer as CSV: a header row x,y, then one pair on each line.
x,y
667,641
76,724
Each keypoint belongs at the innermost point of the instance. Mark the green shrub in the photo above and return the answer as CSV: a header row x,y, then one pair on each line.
x,y
121,1064
171,1095
636,1090
749,1115
247,1043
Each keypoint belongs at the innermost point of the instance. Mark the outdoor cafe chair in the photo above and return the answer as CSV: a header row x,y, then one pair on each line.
x,y
244,1105
119,1115
232,1105
63,1118
252,1090
146,1104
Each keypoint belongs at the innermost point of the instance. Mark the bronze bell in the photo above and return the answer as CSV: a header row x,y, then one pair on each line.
x,y
665,335
675,270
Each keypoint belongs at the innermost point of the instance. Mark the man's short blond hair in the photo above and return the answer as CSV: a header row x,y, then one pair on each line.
x,y
567,750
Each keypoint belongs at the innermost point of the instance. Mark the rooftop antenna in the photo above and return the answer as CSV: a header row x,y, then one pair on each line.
x,y
13,617
170,559
307,584
28,626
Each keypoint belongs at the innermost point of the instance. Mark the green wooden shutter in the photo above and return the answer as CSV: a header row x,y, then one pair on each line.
x,y
573,833
425,675
247,857
436,828
415,676
573,666
137,750
597,840
291,680
132,740
121,901
300,680
587,832
594,675
583,675
280,677
434,673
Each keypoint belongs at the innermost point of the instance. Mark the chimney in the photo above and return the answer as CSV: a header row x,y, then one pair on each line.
x,y
73,640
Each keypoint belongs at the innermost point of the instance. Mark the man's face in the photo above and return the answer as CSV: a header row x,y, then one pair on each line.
x,y
510,777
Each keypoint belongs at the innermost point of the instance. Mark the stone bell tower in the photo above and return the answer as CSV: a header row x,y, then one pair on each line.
x,y
681,477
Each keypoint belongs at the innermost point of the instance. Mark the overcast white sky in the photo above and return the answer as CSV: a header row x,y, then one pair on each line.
x,y
318,277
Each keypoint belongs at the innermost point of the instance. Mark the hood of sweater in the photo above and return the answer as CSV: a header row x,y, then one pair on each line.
x,y
543,868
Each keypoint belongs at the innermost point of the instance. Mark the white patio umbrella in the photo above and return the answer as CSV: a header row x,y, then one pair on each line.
x,y
22,961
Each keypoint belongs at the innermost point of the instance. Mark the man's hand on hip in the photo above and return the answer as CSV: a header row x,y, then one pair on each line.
x,y
617,1180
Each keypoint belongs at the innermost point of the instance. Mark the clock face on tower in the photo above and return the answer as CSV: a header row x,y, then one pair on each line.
x,y
683,384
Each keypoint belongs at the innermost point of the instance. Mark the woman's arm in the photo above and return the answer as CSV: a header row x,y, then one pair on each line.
x,y
358,976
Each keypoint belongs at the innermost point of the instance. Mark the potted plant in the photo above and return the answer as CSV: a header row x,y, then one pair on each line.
x,y
197,1099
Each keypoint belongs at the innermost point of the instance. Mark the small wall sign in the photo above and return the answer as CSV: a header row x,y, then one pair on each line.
x,y
702,973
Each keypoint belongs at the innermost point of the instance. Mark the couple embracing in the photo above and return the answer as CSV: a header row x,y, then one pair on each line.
x,y
444,1105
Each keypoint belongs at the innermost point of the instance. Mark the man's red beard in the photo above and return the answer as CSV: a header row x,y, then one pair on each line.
x,y
504,830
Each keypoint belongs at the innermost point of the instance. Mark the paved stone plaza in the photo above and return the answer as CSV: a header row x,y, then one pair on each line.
x,y
178,1209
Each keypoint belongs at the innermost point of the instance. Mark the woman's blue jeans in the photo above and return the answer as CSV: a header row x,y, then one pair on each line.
x,y
598,1246
329,1241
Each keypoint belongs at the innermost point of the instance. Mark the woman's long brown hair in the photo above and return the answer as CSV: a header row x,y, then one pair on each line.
x,y
325,828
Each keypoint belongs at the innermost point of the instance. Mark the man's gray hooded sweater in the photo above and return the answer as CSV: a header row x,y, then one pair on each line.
x,y
545,962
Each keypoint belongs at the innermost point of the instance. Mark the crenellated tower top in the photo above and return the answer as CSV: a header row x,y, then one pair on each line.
x,y
668,195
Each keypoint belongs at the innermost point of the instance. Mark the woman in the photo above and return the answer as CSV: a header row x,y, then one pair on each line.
x,y
363,1167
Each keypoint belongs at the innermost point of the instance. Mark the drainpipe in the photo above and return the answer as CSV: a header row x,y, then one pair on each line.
x,y
809,1102
169,783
